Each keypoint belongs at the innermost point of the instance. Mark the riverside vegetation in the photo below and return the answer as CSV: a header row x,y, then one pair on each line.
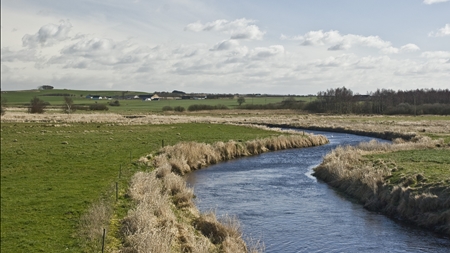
x,y
165,218
405,180
51,174
58,169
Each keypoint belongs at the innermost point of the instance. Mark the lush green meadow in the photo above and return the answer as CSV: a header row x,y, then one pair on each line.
x,y
128,106
51,174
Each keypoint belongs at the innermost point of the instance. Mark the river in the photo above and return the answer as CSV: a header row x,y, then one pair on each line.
x,y
280,203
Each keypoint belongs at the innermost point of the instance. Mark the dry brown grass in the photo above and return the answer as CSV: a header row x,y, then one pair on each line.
x,y
165,204
165,220
92,224
188,156
149,227
387,126
365,180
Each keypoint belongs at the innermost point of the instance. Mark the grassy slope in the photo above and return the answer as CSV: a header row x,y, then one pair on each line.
x,y
47,185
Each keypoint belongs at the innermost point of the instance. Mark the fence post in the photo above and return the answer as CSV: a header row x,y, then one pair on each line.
x,y
103,240
117,191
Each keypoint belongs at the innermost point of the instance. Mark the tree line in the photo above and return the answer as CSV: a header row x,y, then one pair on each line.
x,y
382,101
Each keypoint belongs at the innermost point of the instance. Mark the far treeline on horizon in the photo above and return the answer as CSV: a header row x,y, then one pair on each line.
x,y
334,101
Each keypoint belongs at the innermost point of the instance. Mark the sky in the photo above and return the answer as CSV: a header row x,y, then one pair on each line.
x,y
211,46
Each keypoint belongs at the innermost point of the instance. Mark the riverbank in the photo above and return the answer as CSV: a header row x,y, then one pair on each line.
x,y
165,204
80,158
420,196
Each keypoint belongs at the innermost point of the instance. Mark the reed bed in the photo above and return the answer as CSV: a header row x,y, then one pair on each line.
x,y
165,218
368,181
185,157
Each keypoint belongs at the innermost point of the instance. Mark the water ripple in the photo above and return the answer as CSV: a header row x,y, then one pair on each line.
x,y
278,201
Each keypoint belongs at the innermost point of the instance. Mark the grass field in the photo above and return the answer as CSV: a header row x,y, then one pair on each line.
x,y
433,166
51,174
127,106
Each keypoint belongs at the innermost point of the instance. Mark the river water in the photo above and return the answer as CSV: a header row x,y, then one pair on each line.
x,y
280,203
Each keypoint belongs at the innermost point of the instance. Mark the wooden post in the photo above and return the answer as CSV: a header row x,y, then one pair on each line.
x,y
162,143
120,171
117,191
103,240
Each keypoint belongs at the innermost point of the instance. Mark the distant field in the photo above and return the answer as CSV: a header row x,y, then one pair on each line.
x,y
21,98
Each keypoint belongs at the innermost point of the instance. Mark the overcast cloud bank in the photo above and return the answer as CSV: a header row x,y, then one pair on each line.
x,y
216,56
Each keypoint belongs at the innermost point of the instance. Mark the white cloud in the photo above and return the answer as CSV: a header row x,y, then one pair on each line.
x,y
266,52
48,35
434,1
237,29
24,55
409,48
444,31
90,47
225,45
335,41
436,54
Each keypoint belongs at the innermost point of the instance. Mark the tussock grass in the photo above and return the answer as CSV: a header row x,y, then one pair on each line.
x,y
368,180
185,157
165,204
92,223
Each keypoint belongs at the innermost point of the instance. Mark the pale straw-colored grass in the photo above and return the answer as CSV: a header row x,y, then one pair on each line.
x,y
92,223
345,169
379,125
187,156
165,204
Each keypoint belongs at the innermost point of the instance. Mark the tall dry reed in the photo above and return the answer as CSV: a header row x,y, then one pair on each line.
x,y
345,169
92,223
165,218
188,156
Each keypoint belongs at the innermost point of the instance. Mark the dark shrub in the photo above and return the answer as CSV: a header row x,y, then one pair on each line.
x,y
37,105
403,108
198,107
167,108
115,103
221,107
98,107
179,109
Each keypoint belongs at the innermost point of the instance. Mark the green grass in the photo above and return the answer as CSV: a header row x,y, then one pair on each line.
x,y
433,164
46,185
435,136
127,106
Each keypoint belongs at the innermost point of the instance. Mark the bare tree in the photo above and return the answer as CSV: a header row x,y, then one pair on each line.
x,y
68,105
